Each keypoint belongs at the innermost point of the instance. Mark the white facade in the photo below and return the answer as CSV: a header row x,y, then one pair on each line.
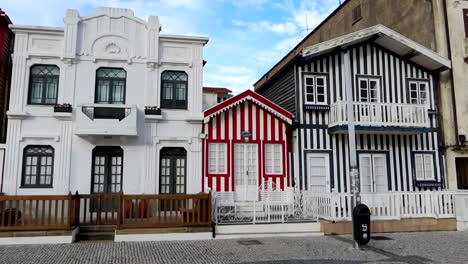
x,y
109,38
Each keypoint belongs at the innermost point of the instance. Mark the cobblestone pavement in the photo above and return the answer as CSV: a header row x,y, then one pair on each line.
x,y
434,247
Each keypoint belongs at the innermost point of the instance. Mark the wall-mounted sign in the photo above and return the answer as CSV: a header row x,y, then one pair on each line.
x,y
245,134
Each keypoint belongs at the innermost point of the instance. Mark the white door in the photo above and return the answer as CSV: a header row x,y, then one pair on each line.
x,y
246,171
318,170
373,172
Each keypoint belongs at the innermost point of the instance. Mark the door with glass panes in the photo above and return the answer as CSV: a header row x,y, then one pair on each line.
x,y
106,174
173,169
373,172
246,171
369,95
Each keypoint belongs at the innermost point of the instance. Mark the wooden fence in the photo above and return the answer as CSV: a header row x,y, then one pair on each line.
x,y
64,212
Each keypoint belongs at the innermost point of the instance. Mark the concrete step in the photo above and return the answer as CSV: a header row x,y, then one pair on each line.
x,y
96,236
97,228
268,230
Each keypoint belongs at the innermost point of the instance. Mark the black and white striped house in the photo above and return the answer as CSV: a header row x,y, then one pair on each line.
x,y
394,88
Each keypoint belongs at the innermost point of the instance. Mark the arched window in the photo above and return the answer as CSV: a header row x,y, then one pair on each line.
x,y
43,84
174,89
38,166
110,86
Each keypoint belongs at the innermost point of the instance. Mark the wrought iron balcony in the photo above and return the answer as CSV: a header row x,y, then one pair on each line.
x,y
380,117
106,119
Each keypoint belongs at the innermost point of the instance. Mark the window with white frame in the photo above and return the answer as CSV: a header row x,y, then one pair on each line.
x,y
418,92
315,89
369,89
217,158
424,167
274,162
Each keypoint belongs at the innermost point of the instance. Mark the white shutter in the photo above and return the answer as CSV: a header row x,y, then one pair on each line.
x,y
380,172
365,172
428,167
419,166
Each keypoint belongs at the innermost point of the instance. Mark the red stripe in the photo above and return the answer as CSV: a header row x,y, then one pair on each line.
x,y
210,129
288,173
210,182
203,161
242,117
218,184
250,116
234,122
265,125
226,125
257,122
273,128
218,127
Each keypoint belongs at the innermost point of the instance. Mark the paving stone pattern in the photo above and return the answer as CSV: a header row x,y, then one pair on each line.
x,y
434,247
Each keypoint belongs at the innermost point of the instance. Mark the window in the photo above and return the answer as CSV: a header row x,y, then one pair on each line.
x,y
424,167
418,92
43,84
369,89
373,172
274,161
217,158
38,164
465,20
357,14
110,86
315,89
318,170
174,90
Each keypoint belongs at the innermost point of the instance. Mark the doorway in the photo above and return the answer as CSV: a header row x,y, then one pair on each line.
x,y
107,170
246,171
373,172
462,173
173,171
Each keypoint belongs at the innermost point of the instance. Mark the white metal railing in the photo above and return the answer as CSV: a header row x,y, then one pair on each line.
x,y
380,114
273,206
386,206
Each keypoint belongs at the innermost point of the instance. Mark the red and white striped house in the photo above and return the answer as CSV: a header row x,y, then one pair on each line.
x,y
246,145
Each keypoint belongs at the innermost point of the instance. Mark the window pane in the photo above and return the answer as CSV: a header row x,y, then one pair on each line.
x,y
103,91
363,84
36,90
320,81
310,89
310,98
309,81
37,166
320,99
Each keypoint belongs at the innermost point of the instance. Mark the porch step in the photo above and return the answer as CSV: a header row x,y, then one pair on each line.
x,y
96,232
268,230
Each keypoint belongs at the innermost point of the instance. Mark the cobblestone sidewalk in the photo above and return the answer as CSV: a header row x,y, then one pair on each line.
x,y
435,247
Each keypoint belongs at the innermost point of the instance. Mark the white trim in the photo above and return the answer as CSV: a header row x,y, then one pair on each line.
x,y
314,87
388,36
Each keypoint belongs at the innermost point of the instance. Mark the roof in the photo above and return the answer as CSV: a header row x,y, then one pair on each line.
x,y
216,90
5,16
254,97
388,39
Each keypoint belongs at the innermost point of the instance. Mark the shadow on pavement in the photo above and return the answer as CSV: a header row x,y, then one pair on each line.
x,y
392,257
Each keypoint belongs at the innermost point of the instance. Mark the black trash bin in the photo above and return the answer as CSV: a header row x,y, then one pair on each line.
x,y
361,224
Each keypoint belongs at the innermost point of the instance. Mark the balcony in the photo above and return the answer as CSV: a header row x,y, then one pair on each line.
x,y
106,120
380,118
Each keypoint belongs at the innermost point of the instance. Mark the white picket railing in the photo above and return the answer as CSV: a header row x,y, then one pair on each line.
x,y
388,206
380,114
288,206
273,206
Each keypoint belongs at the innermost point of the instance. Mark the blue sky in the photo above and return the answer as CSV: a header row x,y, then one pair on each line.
x,y
247,37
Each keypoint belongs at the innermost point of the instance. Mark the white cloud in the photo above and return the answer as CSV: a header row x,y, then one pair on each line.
x,y
236,78
266,26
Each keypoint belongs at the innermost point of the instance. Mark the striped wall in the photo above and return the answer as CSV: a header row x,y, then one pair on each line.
x,y
313,136
227,127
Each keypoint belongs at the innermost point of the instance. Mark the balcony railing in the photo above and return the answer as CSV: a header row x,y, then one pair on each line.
x,y
380,115
106,119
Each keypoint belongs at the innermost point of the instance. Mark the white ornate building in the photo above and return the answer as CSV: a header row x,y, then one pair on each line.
x,y
135,97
